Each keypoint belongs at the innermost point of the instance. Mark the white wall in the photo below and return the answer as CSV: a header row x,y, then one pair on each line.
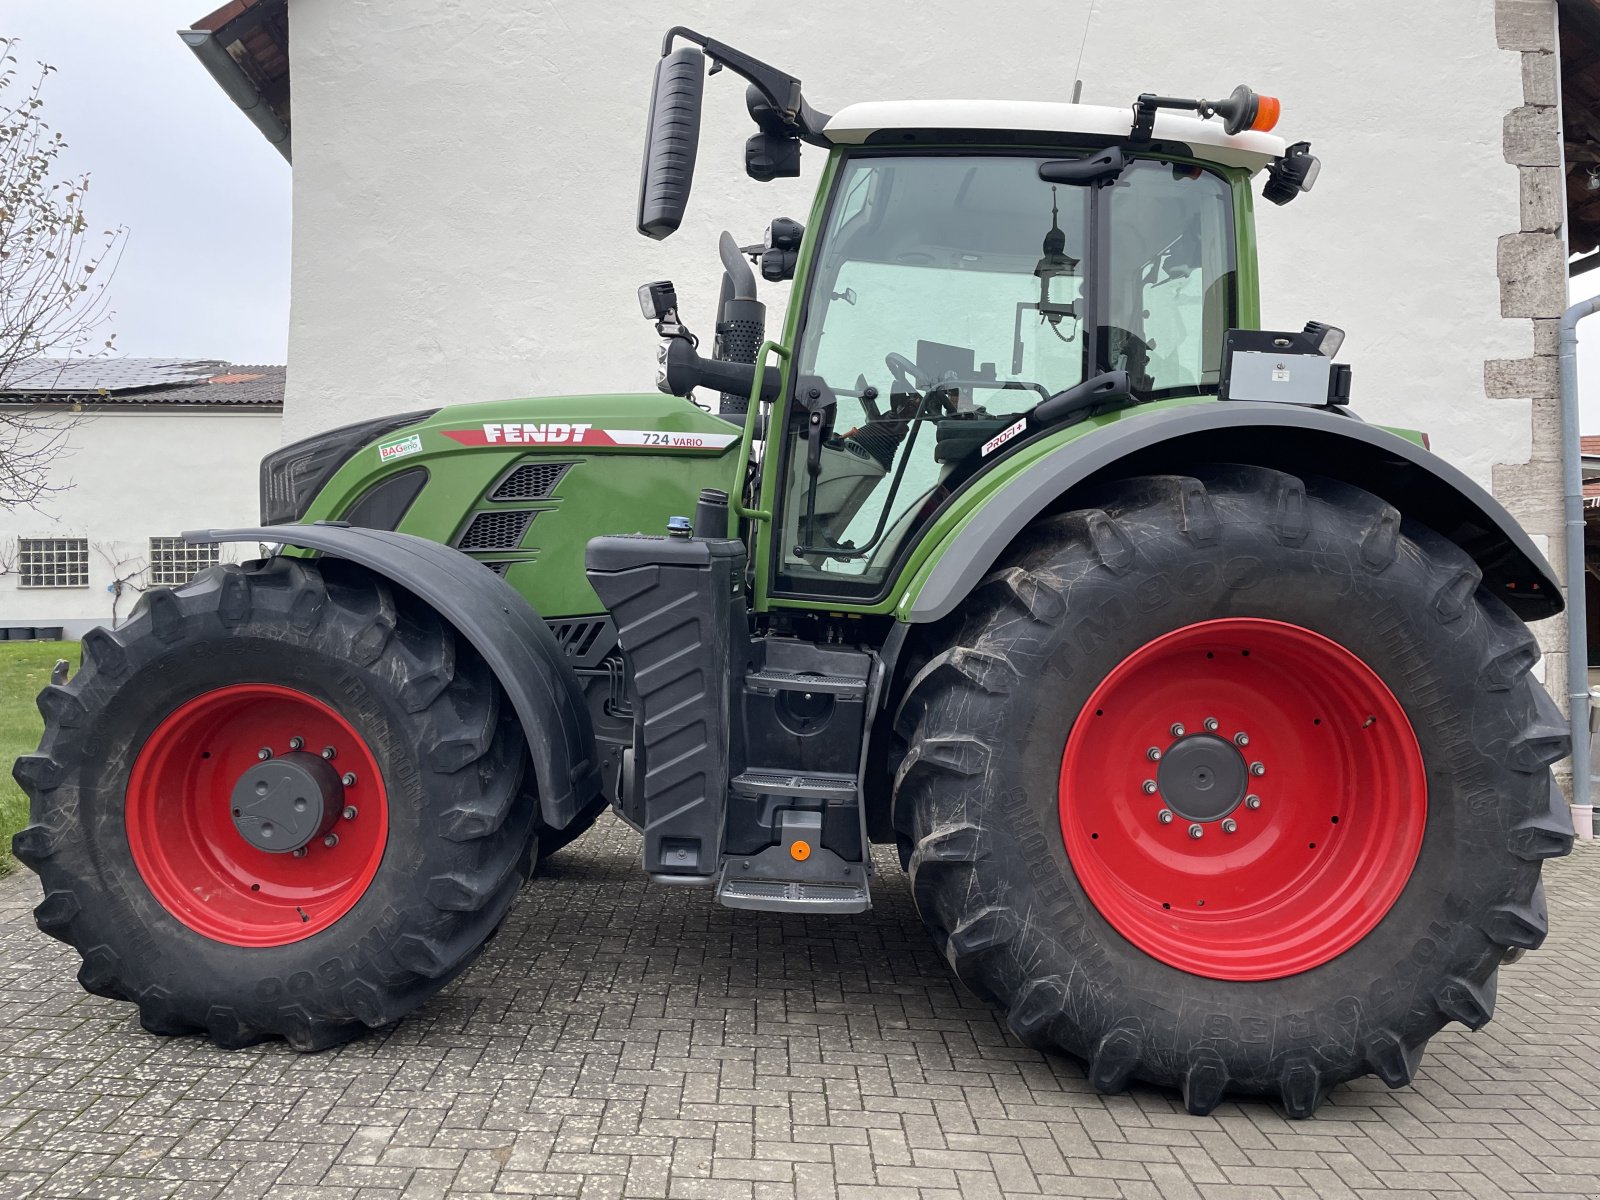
x,y
465,173
127,477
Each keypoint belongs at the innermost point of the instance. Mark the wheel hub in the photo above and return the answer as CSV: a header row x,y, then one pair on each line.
x,y
281,804
1202,777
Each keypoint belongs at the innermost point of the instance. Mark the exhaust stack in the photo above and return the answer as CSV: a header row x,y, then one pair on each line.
x,y
741,322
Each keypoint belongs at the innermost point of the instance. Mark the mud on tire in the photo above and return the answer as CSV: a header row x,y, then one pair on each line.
x,y
987,719
450,752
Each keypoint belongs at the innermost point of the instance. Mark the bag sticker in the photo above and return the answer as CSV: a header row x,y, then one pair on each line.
x,y
401,448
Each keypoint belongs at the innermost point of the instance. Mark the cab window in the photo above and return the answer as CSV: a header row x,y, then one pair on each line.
x,y
952,294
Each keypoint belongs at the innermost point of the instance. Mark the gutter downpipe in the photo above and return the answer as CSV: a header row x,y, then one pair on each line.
x,y
1577,616
232,79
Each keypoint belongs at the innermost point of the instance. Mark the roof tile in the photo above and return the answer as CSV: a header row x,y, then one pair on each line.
x,y
201,383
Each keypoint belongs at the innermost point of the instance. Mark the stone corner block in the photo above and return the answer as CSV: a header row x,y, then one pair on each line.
x,y
1533,275
1525,24
1541,83
1521,378
1532,137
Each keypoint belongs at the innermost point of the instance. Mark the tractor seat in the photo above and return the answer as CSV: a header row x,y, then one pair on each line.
x,y
959,436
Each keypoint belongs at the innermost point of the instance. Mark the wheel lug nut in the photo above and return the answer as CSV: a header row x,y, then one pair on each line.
x,y
300,853
1195,831
1153,754
1176,730
349,813
1229,825
297,743
1258,769
348,779
1149,786
1211,724
331,840
1252,802
1165,816
263,754
1241,739
328,752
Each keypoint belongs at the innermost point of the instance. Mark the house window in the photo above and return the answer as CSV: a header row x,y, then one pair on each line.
x,y
53,562
174,561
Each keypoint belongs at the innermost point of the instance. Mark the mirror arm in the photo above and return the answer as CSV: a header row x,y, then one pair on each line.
x,y
780,89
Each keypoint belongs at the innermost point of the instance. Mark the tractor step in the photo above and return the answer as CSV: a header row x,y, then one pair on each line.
x,y
799,874
774,679
768,895
813,785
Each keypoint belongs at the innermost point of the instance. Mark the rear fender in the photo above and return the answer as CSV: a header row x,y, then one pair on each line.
x,y
1299,441
495,619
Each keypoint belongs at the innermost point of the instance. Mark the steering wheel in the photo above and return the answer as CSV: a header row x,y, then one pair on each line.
x,y
906,373
911,378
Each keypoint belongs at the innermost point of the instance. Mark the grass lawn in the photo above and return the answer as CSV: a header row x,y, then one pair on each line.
x,y
24,670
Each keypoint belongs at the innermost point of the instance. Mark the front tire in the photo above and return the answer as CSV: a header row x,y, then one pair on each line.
x,y
1369,854
306,685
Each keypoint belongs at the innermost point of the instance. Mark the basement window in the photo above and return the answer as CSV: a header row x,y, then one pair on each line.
x,y
174,561
53,562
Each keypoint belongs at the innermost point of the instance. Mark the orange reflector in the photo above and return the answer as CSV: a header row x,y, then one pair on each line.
x,y
1267,112
800,851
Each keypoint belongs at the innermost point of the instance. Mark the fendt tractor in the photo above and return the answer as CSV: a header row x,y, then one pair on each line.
x,y
1199,709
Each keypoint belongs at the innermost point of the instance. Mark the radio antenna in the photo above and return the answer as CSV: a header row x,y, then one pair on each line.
x,y
1077,86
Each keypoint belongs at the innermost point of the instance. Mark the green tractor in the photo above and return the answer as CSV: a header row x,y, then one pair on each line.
x,y
1200,711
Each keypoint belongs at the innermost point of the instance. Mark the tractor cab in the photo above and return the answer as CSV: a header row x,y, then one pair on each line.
x,y
950,298
974,277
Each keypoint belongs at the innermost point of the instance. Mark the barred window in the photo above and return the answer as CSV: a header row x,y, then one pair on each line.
x,y
174,561
53,562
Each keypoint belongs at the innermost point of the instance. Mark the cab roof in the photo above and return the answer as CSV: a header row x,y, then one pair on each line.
x,y
880,122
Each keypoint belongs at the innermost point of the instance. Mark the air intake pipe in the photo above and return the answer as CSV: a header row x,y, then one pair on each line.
x,y
741,322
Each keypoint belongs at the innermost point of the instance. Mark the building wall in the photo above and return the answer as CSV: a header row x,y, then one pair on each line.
x,y
465,173
128,477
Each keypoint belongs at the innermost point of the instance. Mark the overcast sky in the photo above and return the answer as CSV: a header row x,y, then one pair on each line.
x,y
204,197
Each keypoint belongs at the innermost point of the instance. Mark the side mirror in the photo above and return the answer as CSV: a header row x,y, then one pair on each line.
x,y
672,138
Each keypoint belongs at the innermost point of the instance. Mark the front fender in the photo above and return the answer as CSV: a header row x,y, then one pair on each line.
x,y
1300,441
498,623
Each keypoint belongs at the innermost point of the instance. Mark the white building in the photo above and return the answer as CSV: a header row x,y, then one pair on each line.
x,y
464,182
150,448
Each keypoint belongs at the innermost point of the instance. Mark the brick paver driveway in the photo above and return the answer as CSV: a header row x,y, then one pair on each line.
x,y
616,1040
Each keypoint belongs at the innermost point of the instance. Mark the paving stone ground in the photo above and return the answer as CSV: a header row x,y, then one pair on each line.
x,y
617,1040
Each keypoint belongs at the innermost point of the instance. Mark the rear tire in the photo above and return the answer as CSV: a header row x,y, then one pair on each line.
x,y
173,909
1077,951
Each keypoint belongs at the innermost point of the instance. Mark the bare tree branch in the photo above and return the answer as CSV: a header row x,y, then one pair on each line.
x,y
129,568
53,278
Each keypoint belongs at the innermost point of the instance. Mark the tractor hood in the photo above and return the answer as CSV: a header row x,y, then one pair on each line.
x,y
521,485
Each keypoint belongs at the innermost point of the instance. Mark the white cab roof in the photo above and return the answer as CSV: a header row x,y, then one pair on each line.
x,y
855,123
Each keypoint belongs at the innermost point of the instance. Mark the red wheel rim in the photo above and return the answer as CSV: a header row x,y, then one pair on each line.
x,y
1282,878
195,860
